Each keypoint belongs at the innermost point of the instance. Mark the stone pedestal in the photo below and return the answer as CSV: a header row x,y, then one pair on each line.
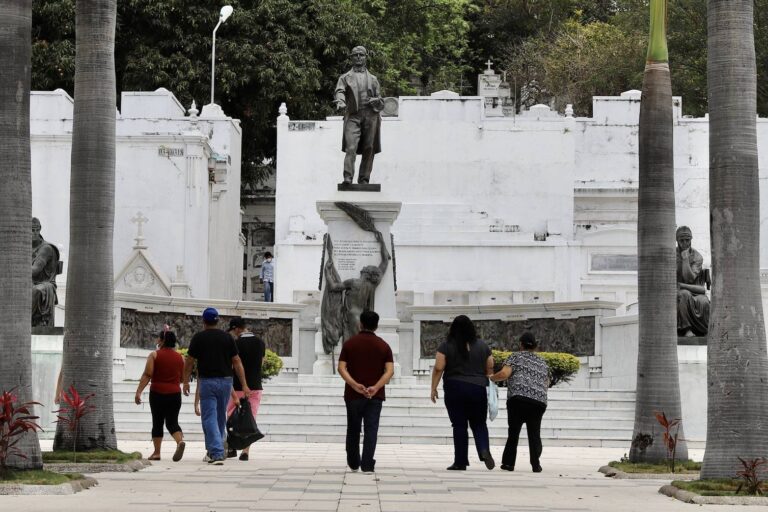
x,y
355,248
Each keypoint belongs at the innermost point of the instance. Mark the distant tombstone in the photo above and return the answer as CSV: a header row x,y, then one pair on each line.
x,y
496,92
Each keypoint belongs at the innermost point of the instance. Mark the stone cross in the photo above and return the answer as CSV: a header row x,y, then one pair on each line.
x,y
139,220
488,63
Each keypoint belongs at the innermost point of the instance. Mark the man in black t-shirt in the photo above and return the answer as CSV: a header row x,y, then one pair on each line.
x,y
252,350
216,355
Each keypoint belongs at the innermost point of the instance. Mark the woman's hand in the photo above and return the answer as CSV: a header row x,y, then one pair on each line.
x,y
137,398
433,395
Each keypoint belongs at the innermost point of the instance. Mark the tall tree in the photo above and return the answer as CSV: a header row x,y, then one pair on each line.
x,y
737,357
88,326
16,212
658,385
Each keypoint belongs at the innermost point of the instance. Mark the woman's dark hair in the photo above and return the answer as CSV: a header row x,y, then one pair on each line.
x,y
461,333
528,340
169,339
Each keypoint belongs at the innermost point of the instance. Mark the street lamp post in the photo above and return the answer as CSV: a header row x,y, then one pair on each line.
x,y
225,13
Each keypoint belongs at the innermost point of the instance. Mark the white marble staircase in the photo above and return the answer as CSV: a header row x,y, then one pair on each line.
x,y
316,413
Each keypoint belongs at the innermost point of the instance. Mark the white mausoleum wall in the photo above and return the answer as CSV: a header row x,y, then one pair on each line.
x,y
476,190
162,170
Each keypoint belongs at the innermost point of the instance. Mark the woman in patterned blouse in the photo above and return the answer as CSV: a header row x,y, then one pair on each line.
x,y
528,378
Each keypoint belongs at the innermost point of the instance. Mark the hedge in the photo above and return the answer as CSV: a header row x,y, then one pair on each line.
x,y
562,366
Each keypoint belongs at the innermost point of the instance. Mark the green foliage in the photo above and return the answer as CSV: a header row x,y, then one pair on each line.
x,y
37,477
268,52
713,487
107,456
563,367
271,366
576,62
686,466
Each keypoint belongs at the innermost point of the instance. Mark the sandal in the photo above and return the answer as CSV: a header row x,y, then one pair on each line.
x,y
179,453
153,457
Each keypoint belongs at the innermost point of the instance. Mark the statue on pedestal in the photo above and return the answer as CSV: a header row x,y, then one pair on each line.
x,y
343,301
45,267
692,282
358,93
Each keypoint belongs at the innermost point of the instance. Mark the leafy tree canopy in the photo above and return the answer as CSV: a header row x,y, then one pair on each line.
x,y
268,52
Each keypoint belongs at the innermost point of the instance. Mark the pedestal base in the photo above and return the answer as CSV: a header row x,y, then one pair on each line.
x,y
359,187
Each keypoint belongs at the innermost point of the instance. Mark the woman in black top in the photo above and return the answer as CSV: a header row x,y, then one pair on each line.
x,y
465,362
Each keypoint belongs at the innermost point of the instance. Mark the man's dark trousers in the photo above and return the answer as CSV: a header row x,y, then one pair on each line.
x,y
365,412
361,125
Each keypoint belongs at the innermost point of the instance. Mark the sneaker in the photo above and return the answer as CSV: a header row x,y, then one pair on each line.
x,y
207,457
217,461
179,453
243,456
231,453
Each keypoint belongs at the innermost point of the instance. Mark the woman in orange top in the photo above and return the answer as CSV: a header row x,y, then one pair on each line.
x,y
164,369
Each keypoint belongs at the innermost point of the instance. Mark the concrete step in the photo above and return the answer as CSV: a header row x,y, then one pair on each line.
x,y
316,413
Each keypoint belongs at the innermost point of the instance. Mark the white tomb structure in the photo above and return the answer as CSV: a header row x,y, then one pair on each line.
x,y
177,193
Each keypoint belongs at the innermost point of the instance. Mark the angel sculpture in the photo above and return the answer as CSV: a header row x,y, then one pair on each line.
x,y
343,301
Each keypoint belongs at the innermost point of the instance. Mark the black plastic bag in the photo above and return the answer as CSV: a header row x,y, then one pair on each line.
x,y
242,430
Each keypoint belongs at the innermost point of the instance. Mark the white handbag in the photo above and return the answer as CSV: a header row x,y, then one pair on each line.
x,y
493,400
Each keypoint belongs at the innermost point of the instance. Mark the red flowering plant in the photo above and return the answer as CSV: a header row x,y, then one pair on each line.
x,y
74,408
15,419
670,439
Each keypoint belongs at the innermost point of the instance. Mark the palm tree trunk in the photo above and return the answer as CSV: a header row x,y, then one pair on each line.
x,y
658,385
88,326
737,362
16,213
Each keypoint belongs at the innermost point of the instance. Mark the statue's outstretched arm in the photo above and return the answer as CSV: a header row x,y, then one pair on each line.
x,y
385,257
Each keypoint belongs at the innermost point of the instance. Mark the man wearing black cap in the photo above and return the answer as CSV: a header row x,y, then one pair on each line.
x,y
252,350
216,355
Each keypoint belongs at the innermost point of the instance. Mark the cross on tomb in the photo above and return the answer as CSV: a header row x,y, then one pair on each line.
x,y
489,63
139,220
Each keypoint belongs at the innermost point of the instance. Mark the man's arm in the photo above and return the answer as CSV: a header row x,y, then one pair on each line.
x,y
237,365
44,254
342,368
189,364
389,371
339,97
384,253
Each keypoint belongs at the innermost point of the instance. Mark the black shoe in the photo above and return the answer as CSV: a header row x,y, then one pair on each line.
x,y
216,461
244,456
456,467
231,453
488,459
537,468
367,470
506,467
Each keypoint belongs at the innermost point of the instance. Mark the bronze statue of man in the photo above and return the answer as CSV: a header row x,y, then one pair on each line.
x,y
45,267
692,300
358,93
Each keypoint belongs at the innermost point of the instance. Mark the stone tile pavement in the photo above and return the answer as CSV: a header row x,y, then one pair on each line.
x,y
313,477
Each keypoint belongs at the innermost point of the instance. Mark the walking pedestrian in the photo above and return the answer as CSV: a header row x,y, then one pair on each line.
x,y
366,365
164,370
528,378
217,359
267,275
251,350
464,362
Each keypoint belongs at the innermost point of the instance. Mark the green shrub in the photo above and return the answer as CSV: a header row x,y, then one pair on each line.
x,y
562,366
271,366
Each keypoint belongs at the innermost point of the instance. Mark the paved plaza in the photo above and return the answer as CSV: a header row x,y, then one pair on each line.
x,y
313,477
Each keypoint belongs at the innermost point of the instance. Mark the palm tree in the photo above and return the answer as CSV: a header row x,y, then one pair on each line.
x,y
658,386
88,327
737,362
16,213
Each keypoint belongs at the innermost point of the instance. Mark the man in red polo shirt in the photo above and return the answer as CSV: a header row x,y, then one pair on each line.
x,y
366,365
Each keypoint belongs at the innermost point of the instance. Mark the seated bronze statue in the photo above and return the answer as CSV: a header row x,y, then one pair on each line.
x,y
45,267
692,284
